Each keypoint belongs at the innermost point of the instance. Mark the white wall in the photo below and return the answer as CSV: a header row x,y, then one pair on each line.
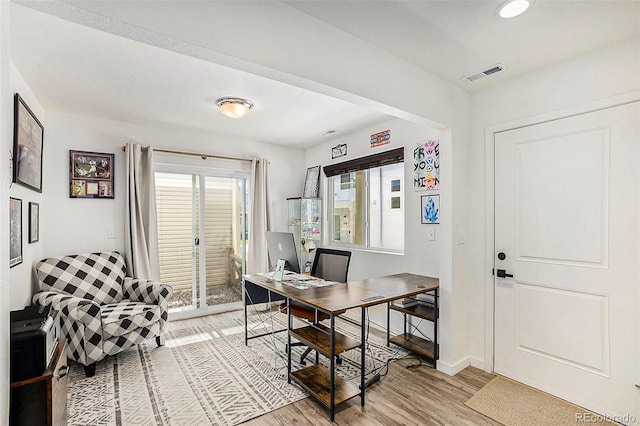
x,y
6,131
80,225
588,78
22,277
420,256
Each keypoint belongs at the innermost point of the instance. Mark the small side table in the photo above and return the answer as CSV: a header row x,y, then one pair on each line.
x,y
42,400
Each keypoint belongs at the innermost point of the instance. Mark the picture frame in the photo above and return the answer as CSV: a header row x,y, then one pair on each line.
x,y
312,182
15,232
430,209
34,222
91,174
28,140
339,150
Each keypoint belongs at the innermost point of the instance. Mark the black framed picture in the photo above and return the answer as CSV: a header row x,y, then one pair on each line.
x,y
15,232
90,174
34,222
28,138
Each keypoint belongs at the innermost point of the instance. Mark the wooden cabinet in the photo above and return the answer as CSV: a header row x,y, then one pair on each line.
x,y
421,346
42,400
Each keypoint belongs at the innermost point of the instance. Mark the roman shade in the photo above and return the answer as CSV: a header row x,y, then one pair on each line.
x,y
363,163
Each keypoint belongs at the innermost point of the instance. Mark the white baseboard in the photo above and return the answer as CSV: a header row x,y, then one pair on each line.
x,y
455,368
477,362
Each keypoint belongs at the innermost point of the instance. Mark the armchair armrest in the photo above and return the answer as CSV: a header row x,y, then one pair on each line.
x,y
151,292
80,322
147,291
72,307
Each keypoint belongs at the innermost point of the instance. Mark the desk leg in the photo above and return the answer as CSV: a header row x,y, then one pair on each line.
x,y
289,327
362,356
332,385
388,320
246,329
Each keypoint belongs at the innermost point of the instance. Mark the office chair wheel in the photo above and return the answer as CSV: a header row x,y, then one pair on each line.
x,y
338,360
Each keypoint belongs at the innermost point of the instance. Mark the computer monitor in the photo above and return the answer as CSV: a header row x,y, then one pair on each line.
x,y
281,245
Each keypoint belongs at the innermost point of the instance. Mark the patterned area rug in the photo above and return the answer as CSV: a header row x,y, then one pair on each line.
x,y
203,375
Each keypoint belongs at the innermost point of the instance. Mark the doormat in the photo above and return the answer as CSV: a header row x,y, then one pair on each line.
x,y
514,404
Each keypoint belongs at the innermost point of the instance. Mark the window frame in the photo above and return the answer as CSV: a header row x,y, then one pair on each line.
x,y
366,246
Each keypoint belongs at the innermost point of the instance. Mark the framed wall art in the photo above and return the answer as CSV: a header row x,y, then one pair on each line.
x,y
430,209
15,232
312,182
28,138
34,222
339,150
426,165
91,174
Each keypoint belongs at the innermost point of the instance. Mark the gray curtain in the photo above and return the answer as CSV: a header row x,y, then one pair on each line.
x,y
260,220
141,227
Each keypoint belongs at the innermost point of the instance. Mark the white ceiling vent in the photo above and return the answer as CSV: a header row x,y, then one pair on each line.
x,y
481,74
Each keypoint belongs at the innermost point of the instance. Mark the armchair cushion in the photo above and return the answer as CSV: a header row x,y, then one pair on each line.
x,y
121,318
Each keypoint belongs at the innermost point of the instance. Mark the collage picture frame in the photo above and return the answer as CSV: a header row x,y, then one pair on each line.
x,y
91,174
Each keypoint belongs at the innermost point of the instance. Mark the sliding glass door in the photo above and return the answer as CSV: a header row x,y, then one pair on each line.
x,y
202,238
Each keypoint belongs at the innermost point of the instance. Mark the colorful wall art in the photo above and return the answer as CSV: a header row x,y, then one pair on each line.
x,y
430,209
426,165
380,138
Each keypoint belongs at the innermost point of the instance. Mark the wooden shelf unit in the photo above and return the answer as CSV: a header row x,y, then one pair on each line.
x,y
416,344
316,380
317,337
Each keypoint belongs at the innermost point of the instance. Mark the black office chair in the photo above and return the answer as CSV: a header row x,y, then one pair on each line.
x,y
328,264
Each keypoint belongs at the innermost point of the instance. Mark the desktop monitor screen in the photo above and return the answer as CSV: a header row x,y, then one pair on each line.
x,y
281,245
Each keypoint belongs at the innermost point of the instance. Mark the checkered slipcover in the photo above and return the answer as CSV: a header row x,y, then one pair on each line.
x,y
102,312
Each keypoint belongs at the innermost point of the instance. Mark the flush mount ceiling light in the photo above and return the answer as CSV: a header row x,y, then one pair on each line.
x,y
234,107
513,8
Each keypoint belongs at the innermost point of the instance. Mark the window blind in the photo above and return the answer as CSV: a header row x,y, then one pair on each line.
x,y
363,163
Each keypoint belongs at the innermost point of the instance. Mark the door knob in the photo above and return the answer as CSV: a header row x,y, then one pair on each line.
x,y
501,273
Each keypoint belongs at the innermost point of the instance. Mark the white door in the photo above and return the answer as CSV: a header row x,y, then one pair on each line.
x,y
567,226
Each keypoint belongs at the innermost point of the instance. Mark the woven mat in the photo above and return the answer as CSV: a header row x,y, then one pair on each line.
x,y
514,404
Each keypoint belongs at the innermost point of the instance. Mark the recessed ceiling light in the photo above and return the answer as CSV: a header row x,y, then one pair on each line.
x,y
234,107
513,8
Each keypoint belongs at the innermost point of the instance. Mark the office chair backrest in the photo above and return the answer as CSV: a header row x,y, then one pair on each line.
x,y
332,265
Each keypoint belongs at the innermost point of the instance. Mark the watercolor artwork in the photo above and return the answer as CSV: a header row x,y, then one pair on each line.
x,y
430,209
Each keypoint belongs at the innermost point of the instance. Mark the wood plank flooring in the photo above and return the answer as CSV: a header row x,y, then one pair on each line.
x,y
421,396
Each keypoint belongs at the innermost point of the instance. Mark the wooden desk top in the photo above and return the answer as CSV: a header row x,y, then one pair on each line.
x,y
336,299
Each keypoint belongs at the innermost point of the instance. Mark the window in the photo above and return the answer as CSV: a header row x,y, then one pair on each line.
x,y
367,203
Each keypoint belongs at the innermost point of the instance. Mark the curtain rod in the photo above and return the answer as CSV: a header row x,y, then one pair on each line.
x,y
195,154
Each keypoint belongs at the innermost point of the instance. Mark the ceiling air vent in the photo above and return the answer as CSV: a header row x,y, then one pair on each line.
x,y
478,75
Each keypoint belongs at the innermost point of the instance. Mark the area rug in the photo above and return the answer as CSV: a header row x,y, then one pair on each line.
x,y
514,404
204,375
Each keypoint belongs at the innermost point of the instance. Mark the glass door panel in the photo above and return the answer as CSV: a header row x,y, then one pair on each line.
x,y
178,207
204,268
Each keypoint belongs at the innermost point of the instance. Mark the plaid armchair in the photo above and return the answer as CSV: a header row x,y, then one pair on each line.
x,y
102,312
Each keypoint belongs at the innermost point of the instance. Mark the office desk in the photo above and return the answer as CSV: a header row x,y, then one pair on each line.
x,y
334,300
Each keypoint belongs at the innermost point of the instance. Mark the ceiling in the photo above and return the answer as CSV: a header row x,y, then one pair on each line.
x,y
93,58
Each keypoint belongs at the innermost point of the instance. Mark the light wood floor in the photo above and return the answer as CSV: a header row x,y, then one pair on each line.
x,y
421,396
